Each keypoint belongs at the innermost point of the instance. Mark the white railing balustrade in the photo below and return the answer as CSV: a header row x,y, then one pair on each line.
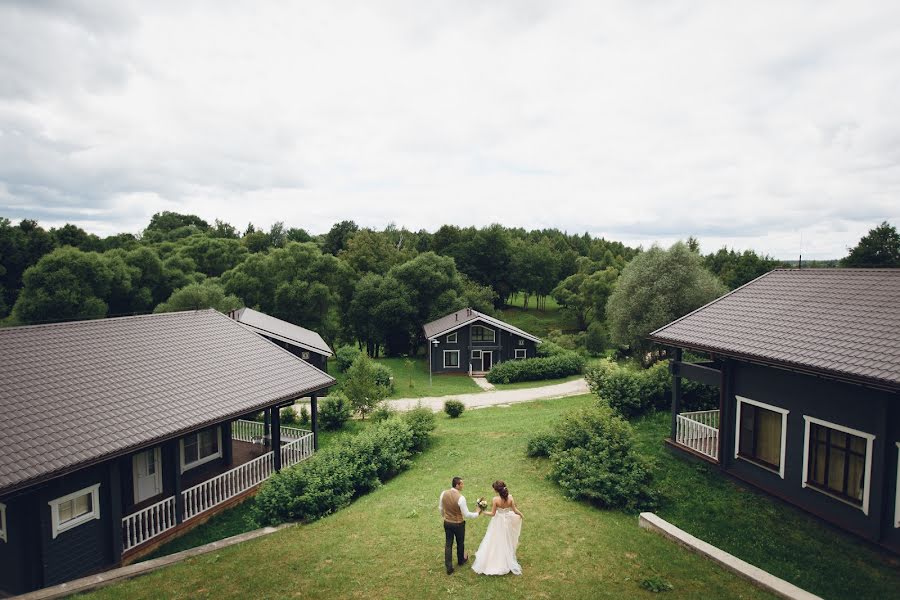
x,y
229,484
148,523
254,431
699,431
297,451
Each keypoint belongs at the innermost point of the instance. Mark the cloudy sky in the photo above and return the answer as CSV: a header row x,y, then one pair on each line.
x,y
749,124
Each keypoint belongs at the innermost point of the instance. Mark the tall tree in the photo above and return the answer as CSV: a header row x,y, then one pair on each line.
x,y
337,237
879,248
199,296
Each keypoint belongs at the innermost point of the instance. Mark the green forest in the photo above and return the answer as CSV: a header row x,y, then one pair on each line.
x,y
368,287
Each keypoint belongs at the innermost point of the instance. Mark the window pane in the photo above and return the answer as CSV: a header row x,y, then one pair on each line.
x,y
65,511
190,449
768,443
818,460
856,477
82,505
836,469
208,443
747,432
858,444
838,438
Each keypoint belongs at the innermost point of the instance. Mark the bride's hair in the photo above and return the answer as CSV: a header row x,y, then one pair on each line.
x,y
500,487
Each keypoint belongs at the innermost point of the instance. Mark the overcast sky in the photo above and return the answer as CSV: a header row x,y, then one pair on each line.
x,y
744,123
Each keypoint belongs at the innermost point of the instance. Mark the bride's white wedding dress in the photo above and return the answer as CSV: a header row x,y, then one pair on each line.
x,y
497,553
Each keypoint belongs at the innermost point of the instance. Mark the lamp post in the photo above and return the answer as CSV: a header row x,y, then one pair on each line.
x,y
435,342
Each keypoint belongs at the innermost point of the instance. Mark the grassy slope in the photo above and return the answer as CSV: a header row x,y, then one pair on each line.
x,y
441,385
389,544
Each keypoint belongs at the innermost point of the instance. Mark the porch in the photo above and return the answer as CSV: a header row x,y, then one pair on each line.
x,y
698,431
204,489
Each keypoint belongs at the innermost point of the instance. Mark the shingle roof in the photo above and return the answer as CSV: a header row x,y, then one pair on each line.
x,y
281,330
72,394
842,322
457,319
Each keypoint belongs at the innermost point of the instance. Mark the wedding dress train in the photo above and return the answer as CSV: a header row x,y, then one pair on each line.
x,y
497,552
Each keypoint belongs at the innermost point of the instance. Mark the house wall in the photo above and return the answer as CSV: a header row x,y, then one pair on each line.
x,y
20,555
857,407
502,348
315,359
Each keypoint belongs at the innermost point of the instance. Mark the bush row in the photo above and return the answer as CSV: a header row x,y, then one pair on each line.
x,y
533,369
332,478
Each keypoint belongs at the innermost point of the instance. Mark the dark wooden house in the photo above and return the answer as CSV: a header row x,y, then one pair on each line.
x,y
119,433
808,367
468,341
301,342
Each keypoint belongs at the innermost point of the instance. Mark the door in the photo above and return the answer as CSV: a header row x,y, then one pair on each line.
x,y
487,360
147,475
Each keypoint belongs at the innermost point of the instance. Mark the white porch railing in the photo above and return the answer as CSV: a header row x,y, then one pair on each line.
x,y
253,431
297,451
148,523
229,484
699,431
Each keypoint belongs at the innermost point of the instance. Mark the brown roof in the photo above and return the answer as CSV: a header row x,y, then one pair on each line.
x,y
457,319
73,394
281,330
841,322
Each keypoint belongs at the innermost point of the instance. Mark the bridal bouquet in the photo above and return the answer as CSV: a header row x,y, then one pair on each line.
x,y
482,503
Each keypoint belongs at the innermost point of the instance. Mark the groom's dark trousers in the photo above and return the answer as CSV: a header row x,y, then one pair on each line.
x,y
458,531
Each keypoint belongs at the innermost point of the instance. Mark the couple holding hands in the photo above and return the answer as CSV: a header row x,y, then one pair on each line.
x,y
496,554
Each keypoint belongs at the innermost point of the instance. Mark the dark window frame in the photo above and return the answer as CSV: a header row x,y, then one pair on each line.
x,y
813,458
755,437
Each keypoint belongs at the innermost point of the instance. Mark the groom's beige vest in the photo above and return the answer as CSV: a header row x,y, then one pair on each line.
x,y
450,504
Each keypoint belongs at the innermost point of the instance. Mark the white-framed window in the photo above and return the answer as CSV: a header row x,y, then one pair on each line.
x,y
837,461
451,359
304,355
476,354
74,509
3,522
451,338
482,334
761,434
200,447
897,500
521,353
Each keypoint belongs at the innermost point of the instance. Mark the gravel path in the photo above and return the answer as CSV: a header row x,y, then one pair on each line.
x,y
496,398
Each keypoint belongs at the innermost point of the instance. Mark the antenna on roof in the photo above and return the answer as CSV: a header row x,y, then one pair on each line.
x,y
800,261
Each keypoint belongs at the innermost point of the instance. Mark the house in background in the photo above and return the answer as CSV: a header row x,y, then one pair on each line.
x,y
467,341
120,433
808,366
301,342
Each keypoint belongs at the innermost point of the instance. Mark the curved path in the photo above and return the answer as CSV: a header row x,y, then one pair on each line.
x,y
497,397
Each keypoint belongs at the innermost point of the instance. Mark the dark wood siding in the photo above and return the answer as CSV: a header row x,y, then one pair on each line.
x,y
20,554
502,348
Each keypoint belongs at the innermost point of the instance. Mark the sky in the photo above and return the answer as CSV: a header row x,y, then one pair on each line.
x,y
772,126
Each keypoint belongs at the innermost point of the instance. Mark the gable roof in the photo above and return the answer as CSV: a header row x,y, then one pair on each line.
x,y
74,394
457,319
281,330
840,322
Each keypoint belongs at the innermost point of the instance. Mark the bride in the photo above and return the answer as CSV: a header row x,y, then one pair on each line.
x,y
497,552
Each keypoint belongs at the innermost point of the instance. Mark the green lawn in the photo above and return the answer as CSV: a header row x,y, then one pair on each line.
x,y
389,544
539,322
412,381
535,384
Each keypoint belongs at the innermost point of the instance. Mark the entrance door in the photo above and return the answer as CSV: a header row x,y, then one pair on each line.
x,y
147,475
487,360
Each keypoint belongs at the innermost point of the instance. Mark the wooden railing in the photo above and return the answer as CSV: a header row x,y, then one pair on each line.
x,y
699,431
254,431
148,523
229,484
297,451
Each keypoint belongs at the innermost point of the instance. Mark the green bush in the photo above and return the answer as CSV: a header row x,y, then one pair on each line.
x,y
382,412
541,444
383,376
596,340
344,357
331,479
454,408
548,348
534,369
288,416
334,412
304,416
595,459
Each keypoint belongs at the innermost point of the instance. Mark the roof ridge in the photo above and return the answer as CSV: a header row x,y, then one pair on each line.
x,y
103,320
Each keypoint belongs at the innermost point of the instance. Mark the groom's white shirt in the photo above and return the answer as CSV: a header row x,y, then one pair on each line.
x,y
462,506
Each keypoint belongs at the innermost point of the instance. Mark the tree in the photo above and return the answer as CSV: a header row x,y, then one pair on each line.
x,y
21,246
71,235
735,269
879,248
171,226
199,296
370,252
337,237
361,386
213,256
655,288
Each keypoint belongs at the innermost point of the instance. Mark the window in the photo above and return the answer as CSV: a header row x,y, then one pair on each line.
x,y
304,355
73,510
3,522
761,434
482,334
451,338
521,353
201,447
837,461
451,359
521,342
476,354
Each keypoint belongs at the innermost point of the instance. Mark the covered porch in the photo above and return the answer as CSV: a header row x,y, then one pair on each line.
x,y
695,431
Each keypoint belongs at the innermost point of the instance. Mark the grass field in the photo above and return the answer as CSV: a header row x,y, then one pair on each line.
x,y
412,381
538,322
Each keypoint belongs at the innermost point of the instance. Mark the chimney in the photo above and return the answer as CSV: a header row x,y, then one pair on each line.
x,y
456,316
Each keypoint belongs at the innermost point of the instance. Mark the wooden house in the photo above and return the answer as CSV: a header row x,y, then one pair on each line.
x,y
304,343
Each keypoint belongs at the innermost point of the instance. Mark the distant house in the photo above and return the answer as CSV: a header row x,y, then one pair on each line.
x,y
301,342
808,366
468,341
119,433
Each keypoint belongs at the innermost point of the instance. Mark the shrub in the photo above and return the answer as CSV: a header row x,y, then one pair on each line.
x,y
596,340
548,348
533,369
344,357
304,416
382,412
595,459
656,584
288,416
541,444
454,408
362,384
334,412
422,422
384,376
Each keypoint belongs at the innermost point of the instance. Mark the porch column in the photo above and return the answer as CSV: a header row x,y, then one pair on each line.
x,y
726,415
676,392
276,437
227,444
115,509
314,410
176,487
267,430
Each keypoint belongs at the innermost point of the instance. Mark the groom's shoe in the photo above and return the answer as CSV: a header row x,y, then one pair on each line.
x,y
465,559
450,571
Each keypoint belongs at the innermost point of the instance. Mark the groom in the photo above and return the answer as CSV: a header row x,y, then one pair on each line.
x,y
454,510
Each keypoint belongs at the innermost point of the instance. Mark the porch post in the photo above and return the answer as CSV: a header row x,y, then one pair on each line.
x,y
115,509
314,416
726,416
267,430
176,471
676,392
276,437
227,444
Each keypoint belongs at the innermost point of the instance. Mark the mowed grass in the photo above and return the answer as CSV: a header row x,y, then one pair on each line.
x,y
411,381
522,385
539,322
389,544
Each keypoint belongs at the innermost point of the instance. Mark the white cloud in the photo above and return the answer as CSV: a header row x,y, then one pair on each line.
x,y
740,124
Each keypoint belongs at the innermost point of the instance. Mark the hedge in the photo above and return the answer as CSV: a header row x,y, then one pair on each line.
x,y
533,369
332,478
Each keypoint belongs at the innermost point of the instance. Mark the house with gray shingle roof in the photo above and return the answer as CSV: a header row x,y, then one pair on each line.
x,y
305,343
118,434
807,363
468,341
